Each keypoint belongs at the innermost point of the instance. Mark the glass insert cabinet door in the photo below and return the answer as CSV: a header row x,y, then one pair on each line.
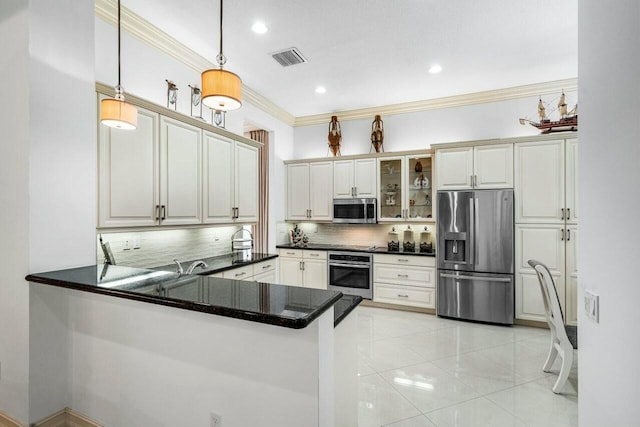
x,y
419,188
391,206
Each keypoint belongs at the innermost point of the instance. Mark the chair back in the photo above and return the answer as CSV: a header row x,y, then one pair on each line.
x,y
549,294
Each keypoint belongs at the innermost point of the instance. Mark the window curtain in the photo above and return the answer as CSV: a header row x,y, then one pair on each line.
x,y
261,230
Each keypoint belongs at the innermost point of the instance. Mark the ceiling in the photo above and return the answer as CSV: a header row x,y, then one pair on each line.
x,y
369,53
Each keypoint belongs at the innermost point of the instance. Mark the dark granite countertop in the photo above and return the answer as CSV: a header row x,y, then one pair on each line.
x,y
343,307
286,306
219,263
354,248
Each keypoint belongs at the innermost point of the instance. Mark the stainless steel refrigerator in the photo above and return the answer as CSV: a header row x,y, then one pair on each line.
x,y
476,255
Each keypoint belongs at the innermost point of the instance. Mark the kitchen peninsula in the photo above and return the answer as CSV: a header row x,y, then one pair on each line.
x,y
130,352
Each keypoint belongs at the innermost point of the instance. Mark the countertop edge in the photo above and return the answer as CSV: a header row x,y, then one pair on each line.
x,y
347,311
340,248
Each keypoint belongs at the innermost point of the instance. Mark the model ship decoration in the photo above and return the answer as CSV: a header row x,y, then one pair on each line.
x,y
568,120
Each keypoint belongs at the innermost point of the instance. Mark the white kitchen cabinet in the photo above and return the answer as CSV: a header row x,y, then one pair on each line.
x,y
405,184
129,183
309,195
230,190
265,271
303,267
151,175
354,178
180,173
571,181
477,167
404,280
540,181
571,275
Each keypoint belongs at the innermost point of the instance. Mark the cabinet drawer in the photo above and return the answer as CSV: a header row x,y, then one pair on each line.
x,y
404,295
399,259
242,273
264,267
290,253
315,254
220,275
409,276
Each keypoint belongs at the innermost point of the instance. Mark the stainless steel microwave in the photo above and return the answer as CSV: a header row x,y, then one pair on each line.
x,y
355,211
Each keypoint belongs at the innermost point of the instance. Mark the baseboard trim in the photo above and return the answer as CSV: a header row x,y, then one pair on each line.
x,y
369,303
67,418
534,323
7,421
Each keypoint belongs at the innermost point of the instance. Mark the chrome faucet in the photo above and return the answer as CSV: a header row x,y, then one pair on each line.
x,y
195,265
180,271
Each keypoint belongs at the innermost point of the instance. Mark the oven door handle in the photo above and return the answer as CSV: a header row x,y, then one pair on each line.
x,y
336,264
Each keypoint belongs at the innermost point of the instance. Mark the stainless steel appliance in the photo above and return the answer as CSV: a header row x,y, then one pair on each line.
x,y
355,211
241,248
351,273
476,255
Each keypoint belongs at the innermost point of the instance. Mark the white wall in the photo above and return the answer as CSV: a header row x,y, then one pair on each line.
x,y
144,71
609,59
417,131
14,208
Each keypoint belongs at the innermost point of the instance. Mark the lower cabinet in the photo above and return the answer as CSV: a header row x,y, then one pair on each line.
x,y
404,279
303,267
265,272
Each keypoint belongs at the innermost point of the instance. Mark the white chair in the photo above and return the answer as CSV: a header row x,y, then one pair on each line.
x,y
560,344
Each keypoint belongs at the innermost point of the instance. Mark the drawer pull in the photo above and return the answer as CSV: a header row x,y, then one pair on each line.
x,y
403,275
403,296
291,253
241,274
314,254
266,266
402,260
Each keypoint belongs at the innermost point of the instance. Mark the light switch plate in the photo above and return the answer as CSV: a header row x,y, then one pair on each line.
x,y
592,305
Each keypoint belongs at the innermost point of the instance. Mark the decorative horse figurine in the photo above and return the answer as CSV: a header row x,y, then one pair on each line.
x,y
335,136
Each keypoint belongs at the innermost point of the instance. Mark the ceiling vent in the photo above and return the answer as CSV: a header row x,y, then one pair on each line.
x,y
287,57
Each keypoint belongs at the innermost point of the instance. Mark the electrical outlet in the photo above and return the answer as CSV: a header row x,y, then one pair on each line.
x,y
216,236
216,420
126,245
592,305
136,242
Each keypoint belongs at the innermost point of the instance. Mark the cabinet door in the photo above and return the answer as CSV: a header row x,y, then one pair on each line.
x,y
365,178
246,182
454,168
493,166
539,181
571,304
571,177
128,171
180,172
391,182
343,179
290,271
320,194
219,184
298,191
544,243
420,198
314,273
267,277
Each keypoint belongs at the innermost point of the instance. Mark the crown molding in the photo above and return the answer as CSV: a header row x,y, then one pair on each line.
x,y
153,36
546,88
107,10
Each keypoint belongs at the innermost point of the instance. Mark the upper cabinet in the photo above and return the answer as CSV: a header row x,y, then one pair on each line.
x,y
478,167
405,188
230,190
354,178
309,191
151,175
170,172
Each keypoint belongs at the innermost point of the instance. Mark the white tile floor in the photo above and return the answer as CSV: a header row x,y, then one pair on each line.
x,y
418,370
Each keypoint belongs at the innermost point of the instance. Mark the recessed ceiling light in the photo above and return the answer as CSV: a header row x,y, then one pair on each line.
x,y
321,89
435,69
259,28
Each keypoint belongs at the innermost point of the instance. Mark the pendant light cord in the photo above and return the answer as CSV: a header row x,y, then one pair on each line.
x,y
221,1
119,43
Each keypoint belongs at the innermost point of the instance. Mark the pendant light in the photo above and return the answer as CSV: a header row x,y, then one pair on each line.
x,y
221,89
115,112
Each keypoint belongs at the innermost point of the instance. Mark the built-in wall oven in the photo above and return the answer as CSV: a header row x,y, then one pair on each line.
x,y
351,273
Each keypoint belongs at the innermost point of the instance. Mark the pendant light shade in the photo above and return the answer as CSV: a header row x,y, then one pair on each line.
x,y
115,112
221,89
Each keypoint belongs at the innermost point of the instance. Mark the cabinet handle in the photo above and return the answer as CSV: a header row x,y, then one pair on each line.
x,y
164,212
355,191
302,265
240,274
314,254
568,213
291,253
237,213
471,180
403,275
266,266
157,212
403,296
562,213
475,180
402,260
568,234
562,234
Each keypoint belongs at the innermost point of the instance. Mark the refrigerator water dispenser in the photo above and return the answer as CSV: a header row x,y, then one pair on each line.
x,y
455,248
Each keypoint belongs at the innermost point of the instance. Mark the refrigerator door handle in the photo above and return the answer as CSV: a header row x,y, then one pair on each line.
x,y
473,207
479,278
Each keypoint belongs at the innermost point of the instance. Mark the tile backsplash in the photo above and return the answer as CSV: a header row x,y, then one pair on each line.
x,y
162,246
353,234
